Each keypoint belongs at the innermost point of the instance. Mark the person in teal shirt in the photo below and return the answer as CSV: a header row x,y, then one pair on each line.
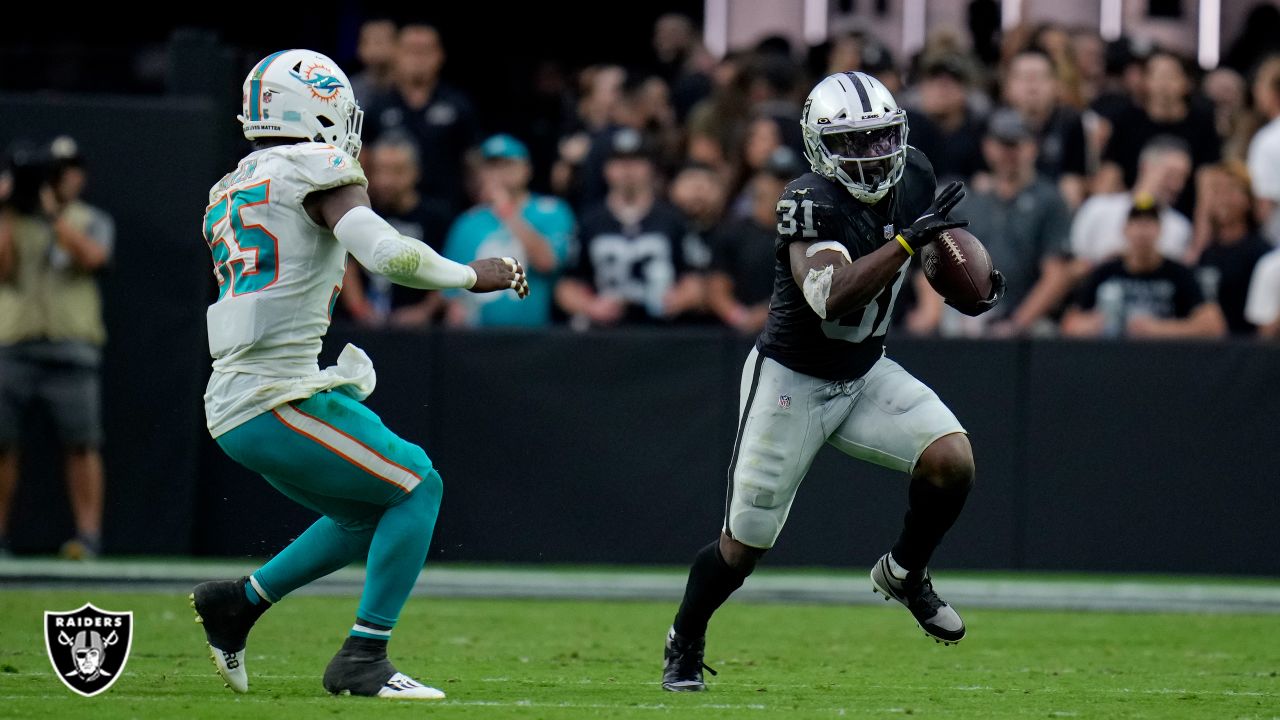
x,y
511,222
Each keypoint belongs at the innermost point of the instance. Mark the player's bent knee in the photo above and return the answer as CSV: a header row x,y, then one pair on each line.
x,y
431,486
755,528
948,462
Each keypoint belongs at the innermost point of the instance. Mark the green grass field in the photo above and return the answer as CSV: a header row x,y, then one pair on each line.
x,y
567,659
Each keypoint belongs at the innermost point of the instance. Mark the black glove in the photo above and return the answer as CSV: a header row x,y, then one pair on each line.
x,y
926,227
997,292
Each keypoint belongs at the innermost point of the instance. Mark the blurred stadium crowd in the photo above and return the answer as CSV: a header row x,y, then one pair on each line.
x,y
1120,190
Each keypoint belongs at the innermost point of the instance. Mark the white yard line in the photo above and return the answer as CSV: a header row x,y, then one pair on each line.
x,y
844,588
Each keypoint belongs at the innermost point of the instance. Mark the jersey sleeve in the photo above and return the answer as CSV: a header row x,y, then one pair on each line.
x,y
806,212
319,167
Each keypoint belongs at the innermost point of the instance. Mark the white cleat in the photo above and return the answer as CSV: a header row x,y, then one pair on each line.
x,y
230,666
403,687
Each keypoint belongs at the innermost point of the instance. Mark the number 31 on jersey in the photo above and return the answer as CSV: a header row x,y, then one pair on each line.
x,y
787,218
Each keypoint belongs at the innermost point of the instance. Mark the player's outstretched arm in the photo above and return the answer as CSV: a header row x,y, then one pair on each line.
x,y
405,261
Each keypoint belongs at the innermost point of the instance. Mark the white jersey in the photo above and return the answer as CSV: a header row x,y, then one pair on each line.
x,y
279,275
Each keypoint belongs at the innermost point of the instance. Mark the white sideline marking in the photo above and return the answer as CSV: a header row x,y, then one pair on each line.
x,y
787,686
838,587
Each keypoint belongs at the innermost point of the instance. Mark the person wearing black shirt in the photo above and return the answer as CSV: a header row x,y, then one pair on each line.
x,y
945,129
741,279
439,118
1031,88
369,298
631,266
846,233
1226,266
1141,293
1168,110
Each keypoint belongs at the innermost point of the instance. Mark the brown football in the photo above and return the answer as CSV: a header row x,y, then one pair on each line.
x,y
958,267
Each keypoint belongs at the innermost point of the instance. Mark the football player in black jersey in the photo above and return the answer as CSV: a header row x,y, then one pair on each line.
x,y
818,373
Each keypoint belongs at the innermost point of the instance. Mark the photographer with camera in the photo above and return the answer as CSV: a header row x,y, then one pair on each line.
x,y
52,244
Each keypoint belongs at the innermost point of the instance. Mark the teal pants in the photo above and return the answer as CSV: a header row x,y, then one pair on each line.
x,y
377,493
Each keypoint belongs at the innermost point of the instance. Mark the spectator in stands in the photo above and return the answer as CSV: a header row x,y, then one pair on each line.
x,y
1123,83
510,222
1055,42
600,87
1166,110
1262,307
1089,52
630,266
1225,88
650,109
843,54
371,299
642,106
438,117
765,134
742,266
376,51
715,125
1031,88
1097,233
1264,149
1024,223
700,193
1259,37
945,129
682,61
1142,294
52,245
877,61
1227,264
773,79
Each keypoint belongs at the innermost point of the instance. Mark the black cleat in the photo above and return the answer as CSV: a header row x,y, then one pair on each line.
x,y
227,615
682,671
361,668
938,620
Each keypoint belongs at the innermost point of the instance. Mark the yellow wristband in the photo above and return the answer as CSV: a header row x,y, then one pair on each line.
x,y
905,245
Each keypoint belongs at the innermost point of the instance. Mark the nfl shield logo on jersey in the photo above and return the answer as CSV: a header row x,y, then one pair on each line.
x,y
784,402
88,647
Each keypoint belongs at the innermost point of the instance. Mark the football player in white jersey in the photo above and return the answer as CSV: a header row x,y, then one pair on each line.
x,y
280,227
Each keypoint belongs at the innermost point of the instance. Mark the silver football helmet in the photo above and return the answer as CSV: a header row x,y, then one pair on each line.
x,y
855,134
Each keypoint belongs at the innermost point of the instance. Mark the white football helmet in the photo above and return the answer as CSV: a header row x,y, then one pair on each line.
x,y
301,94
855,134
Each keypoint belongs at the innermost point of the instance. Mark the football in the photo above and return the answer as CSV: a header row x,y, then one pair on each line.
x,y
958,267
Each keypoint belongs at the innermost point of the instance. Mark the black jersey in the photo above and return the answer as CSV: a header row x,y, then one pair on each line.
x,y
638,263
813,208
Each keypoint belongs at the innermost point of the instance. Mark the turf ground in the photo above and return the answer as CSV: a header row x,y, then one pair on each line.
x,y
593,659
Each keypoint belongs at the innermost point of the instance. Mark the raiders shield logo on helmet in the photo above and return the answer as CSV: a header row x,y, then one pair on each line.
x,y
88,647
